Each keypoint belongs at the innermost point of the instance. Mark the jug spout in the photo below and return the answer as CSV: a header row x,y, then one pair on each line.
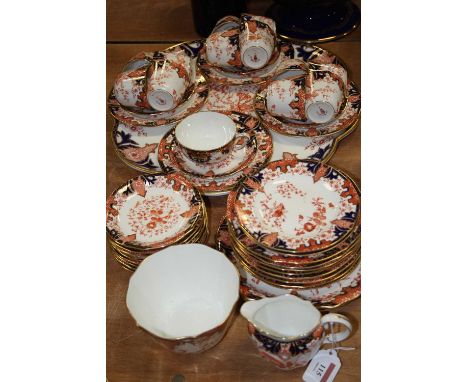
x,y
249,308
282,317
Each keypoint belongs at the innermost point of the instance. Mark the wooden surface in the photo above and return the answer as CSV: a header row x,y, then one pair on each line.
x,y
155,21
132,355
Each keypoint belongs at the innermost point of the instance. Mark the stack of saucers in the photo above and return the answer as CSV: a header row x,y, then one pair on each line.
x,y
294,226
151,212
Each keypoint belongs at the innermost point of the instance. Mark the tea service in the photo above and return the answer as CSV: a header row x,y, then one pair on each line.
x,y
205,118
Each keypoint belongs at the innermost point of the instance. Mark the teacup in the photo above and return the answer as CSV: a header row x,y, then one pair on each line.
x,y
208,137
315,97
184,296
168,79
328,93
289,331
222,47
130,84
288,97
257,40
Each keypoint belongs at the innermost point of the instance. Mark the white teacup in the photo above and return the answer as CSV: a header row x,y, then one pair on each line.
x,y
257,40
207,136
184,295
313,98
168,79
130,84
222,48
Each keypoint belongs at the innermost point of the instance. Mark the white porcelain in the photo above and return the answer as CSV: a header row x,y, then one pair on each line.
x,y
287,98
257,40
221,47
184,295
317,148
168,80
325,100
129,86
289,331
206,137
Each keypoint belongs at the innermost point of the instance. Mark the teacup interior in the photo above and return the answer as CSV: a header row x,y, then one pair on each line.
x,y
205,131
182,291
286,318
137,64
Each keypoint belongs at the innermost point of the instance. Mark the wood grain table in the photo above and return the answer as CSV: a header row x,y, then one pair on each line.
x,y
132,355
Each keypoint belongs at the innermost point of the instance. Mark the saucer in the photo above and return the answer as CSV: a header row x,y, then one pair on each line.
x,y
237,160
152,211
329,296
220,76
192,104
319,148
345,119
221,185
137,146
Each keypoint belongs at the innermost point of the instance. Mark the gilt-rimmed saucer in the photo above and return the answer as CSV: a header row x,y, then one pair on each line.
x,y
294,206
219,76
192,104
221,185
348,116
152,211
329,296
137,146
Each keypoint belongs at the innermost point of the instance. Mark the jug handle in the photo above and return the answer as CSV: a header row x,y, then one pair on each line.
x,y
339,319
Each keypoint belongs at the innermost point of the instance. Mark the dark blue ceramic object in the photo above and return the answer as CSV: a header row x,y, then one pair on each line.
x,y
314,20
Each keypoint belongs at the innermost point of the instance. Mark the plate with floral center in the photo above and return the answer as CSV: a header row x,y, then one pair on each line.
x,y
221,185
300,259
152,211
297,206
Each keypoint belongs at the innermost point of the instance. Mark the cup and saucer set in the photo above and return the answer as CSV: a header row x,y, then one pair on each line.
x,y
242,70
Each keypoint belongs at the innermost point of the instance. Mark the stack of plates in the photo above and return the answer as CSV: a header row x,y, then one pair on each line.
x,y
151,212
295,225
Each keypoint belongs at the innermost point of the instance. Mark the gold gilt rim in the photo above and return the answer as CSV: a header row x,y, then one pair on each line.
x,y
245,163
320,305
297,269
203,228
314,261
183,234
125,160
344,174
199,224
131,264
262,99
268,281
303,279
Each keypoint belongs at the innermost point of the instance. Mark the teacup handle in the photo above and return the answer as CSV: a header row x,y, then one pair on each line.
x,y
339,319
241,140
